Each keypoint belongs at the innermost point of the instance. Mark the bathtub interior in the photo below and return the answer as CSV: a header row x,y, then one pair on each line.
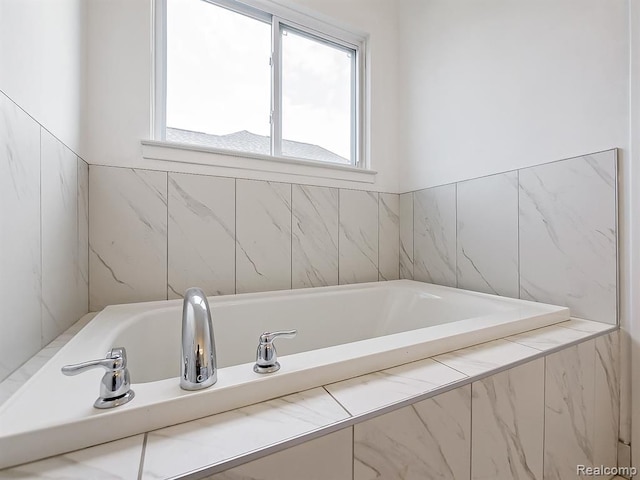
x,y
345,331
337,317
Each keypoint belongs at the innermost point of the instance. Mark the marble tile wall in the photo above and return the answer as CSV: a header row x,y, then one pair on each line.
x,y
429,439
546,233
43,255
154,234
537,420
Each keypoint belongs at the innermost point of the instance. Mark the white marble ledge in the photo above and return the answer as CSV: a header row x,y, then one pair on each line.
x,y
212,440
560,334
118,460
223,440
380,389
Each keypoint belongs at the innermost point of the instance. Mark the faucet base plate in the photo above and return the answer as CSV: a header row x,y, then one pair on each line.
x,y
270,369
103,403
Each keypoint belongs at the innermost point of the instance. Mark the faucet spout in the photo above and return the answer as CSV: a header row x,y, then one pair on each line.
x,y
198,369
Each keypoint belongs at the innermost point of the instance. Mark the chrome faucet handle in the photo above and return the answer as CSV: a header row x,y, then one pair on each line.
x,y
266,355
115,386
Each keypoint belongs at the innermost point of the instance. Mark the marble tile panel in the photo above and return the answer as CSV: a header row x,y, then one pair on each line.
x,y
315,236
358,240
406,236
20,265
119,460
550,337
60,254
569,410
487,245
263,236
201,235
586,326
434,235
508,424
127,236
607,399
430,439
82,274
376,390
193,445
389,236
328,457
568,235
486,356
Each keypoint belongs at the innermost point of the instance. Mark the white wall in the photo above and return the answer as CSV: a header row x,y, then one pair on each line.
x,y
494,85
42,63
119,84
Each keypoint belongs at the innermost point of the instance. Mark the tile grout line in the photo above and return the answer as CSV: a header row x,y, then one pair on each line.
x,y
544,411
142,455
353,452
324,387
470,429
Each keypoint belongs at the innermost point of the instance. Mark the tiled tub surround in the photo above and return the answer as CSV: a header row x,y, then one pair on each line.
x,y
154,234
546,233
527,406
344,331
43,258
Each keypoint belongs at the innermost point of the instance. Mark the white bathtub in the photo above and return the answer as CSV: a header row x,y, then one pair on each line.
x,y
343,332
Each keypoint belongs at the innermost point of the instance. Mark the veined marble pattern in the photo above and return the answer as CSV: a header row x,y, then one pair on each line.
x,y
201,236
508,424
82,279
315,236
358,247
303,462
434,238
379,389
486,356
193,445
406,236
60,255
607,399
13,382
20,248
263,236
569,411
568,235
389,236
430,439
554,336
119,460
487,245
127,236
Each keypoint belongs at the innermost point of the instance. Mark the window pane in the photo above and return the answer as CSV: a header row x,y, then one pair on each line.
x,y
218,77
316,99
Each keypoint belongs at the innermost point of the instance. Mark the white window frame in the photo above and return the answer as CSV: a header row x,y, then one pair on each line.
x,y
277,14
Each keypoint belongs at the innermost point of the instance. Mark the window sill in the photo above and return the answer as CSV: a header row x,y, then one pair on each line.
x,y
223,161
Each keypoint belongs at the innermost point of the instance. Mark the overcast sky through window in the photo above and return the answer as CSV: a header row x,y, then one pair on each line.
x,y
219,78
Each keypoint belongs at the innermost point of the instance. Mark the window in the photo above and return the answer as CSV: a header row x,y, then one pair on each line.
x,y
239,78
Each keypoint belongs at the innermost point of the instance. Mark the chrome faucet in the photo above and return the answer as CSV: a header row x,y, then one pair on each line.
x,y
115,386
198,358
266,355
